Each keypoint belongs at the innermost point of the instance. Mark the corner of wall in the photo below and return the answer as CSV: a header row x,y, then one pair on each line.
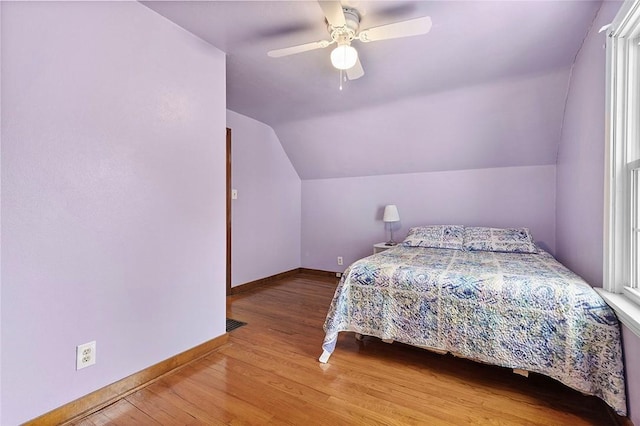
x,y
269,202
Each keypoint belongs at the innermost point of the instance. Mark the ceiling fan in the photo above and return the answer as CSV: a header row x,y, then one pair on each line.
x,y
344,27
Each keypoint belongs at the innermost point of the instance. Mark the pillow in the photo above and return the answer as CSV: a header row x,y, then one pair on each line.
x,y
510,240
437,236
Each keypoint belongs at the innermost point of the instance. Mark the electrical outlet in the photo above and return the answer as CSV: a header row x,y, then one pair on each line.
x,y
85,355
339,260
338,274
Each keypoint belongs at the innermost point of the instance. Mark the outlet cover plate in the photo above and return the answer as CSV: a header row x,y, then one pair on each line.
x,y
85,355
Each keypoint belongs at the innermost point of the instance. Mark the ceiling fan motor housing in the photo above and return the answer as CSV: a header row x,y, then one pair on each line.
x,y
346,33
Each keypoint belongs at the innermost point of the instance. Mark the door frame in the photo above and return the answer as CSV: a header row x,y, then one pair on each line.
x,y
228,174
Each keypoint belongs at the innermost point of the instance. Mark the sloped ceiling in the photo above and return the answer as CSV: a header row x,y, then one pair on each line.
x,y
485,88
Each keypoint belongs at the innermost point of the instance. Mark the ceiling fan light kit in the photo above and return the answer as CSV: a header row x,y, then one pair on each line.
x,y
343,26
344,57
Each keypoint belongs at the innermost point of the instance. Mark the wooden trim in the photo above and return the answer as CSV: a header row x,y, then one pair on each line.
x,y
109,394
228,210
318,272
273,278
263,281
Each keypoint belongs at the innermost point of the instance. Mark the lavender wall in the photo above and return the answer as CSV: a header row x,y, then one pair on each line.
x,y
343,217
113,196
580,184
505,123
580,180
266,215
496,169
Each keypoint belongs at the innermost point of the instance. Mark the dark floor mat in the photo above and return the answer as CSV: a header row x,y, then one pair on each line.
x,y
233,324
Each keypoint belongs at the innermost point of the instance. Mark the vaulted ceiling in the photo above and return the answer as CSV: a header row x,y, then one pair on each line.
x,y
485,88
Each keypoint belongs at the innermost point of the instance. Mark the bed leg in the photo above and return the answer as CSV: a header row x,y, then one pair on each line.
x,y
523,373
359,337
324,358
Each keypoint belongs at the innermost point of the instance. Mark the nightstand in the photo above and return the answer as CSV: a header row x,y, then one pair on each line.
x,y
380,247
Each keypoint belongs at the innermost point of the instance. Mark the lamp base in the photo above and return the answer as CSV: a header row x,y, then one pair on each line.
x,y
390,243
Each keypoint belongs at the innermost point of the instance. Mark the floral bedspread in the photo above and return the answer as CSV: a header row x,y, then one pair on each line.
x,y
515,310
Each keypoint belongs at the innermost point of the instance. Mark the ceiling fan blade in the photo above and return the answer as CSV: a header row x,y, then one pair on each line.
x,y
299,48
412,27
356,71
333,11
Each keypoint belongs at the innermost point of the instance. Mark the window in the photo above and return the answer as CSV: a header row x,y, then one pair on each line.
x,y
622,167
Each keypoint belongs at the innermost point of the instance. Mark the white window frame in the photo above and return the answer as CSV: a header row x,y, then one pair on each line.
x,y
634,234
621,274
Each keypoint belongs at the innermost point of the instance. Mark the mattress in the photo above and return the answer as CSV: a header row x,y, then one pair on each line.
x,y
516,310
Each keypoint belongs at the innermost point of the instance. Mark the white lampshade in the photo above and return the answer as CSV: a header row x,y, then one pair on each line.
x,y
344,57
391,213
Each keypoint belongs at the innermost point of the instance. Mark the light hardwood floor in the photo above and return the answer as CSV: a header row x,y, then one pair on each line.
x,y
268,373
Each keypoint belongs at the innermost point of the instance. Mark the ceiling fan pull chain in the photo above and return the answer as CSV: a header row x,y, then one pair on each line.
x,y
340,79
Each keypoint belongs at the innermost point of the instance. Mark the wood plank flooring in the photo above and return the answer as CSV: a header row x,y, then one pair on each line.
x,y
268,373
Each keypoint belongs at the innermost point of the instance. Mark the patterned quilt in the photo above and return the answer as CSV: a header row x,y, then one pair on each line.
x,y
524,311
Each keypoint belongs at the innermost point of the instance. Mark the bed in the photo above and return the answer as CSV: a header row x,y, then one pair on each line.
x,y
484,294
